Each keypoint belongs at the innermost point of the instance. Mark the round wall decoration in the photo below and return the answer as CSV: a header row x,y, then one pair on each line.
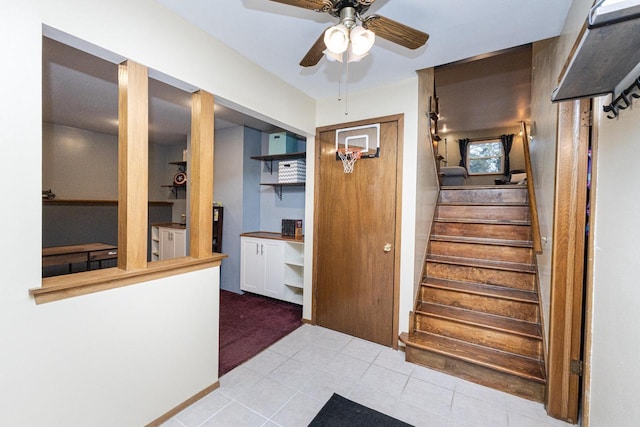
x,y
180,178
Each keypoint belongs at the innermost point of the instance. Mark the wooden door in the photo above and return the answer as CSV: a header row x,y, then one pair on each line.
x,y
355,276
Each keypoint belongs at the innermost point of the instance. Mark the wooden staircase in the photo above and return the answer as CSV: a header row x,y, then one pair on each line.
x,y
477,313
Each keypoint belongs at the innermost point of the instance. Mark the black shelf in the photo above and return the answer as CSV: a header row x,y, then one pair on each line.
x,y
277,186
268,159
286,156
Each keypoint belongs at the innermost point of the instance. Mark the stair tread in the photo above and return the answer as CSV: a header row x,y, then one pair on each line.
x,y
484,221
484,187
467,203
482,240
486,320
482,263
498,360
494,291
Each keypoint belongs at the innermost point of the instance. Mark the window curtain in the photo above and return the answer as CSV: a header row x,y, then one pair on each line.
x,y
507,142
463,143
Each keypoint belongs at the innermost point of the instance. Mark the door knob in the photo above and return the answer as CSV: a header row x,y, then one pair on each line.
x,y
387,247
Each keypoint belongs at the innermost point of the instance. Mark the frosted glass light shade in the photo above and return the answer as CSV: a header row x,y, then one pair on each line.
x,y
336,39
361,41
332,57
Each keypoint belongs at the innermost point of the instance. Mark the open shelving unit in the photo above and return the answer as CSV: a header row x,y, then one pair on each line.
x,y
268,161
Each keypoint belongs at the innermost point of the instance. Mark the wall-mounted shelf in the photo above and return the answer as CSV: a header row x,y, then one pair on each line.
x,y
269,158
182,167
277,187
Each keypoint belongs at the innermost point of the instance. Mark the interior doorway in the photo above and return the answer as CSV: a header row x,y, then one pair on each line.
x,y
357,239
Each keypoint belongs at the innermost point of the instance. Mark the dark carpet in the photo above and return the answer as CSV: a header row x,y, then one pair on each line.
x,y
342,412
250,323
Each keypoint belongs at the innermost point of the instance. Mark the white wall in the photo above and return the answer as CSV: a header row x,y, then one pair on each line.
x,y
125,356
615,380
400,97
79,164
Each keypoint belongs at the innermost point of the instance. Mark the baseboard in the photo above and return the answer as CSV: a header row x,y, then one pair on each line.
x,y
307,321
167,416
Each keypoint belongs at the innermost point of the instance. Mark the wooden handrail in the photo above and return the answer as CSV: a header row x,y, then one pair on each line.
x,y
535,224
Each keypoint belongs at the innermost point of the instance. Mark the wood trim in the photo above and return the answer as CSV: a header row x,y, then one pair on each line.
x,y
531,190
271,235
72,285
395,328
87,202
201,175
567,264
588,303
133,155
190,401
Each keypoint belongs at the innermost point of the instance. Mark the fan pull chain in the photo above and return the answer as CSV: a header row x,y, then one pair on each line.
x,y
340,82
346,90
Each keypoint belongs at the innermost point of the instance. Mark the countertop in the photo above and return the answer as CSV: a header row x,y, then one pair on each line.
x,y
272,235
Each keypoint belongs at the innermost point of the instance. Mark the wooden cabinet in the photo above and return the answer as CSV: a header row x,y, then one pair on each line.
x,y
273,267
168,242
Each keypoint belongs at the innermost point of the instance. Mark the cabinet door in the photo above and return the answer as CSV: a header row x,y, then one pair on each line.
x,y
179,243
274,268
252,268
166,244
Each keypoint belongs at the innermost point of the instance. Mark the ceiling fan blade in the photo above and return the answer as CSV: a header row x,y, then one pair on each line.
x,y
315,54
395,32
317,5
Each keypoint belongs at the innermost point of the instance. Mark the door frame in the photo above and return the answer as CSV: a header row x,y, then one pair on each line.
x,y
399,119
568,268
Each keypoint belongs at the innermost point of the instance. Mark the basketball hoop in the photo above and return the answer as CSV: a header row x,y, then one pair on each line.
x,y
348,158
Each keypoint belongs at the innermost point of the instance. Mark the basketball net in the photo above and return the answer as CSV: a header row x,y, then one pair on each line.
x,y
348,158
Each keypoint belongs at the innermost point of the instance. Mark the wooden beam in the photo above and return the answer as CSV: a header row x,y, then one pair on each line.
x,y
567,264
133,154
201,175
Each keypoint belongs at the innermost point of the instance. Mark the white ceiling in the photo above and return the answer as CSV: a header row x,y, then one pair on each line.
x,y
277,36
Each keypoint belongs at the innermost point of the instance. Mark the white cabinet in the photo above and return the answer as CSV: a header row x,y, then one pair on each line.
x,y
168,242
272,267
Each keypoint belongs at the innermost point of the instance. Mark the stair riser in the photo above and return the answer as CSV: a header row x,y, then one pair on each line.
x,y
492,195
480,251
493,213
478,374
486,304
511,279
488,231
500,340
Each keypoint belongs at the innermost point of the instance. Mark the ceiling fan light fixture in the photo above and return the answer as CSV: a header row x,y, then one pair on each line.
x,y
332,57
336,39
355,58
362,41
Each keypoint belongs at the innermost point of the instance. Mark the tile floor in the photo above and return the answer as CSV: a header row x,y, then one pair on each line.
x,y
288,383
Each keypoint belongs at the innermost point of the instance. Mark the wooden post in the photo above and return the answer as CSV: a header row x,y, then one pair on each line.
x,y
133,154
200,170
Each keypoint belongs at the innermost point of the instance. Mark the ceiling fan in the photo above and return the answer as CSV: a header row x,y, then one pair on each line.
x,y
348,35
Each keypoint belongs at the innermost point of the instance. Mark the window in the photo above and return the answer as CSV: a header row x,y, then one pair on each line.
x,y
485,157
132,197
